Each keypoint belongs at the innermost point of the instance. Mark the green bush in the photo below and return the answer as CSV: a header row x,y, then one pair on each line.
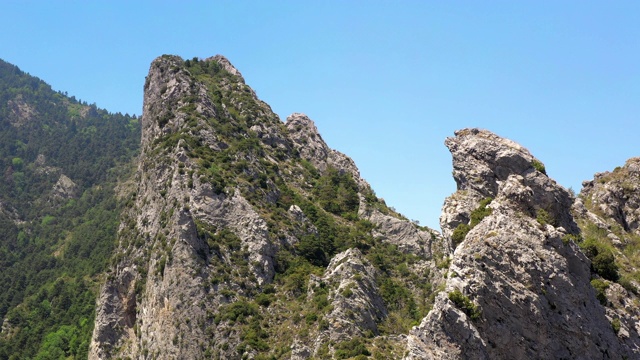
x,y
543,217
352,348
337,193
604,265
615,325
264,300
237,311
539,166
602,259
481,211
601,288
465,304
17,163
459,233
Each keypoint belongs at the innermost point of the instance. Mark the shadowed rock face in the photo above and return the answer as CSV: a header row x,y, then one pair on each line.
x,y
528,293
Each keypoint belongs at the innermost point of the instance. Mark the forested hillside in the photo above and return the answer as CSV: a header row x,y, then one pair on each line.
x,y
60,160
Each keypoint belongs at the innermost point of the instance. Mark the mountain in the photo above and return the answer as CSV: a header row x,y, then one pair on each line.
x,y
60,160
249,237
212,229
519,285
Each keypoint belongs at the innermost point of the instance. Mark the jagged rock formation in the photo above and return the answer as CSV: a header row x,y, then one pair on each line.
x,y
608,211
233,216
409,238
163,290
352,277
311,146
245,237
615,195
482,161
518,286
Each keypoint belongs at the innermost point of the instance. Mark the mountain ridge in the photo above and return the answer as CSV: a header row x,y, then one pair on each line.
x,y
243,236
231,184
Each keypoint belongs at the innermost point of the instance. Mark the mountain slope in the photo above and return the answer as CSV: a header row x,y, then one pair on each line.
x,y
234,235
60,160
229,246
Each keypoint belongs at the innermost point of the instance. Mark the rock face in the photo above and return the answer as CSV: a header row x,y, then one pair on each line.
x,y
157,299
408,237
64,188
517,286
616,195
607,210
353,278
246,237
482,161
234,217
311,146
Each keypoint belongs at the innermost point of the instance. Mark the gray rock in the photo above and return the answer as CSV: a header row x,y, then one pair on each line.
x,y
408,237
529,291
616,195
309,143
357,305
20,112
161,294
64,188
481,161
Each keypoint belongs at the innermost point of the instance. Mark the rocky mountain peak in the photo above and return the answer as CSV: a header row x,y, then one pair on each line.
x,y
243,237
518,287
308,141
226,65
311,147
482,158
484,163
234,216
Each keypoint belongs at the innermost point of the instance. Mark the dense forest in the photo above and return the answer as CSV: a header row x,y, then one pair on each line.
x,y
60,162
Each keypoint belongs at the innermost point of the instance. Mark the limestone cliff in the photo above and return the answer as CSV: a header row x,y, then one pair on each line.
x,y
169,277
518,286
247,237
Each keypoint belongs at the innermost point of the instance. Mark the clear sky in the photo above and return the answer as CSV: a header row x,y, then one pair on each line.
x,y
385,81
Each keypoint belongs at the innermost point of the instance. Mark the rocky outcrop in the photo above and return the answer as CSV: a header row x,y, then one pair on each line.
x,y
616,195
357,305
517,286
20,112
482,161
607,209
409,238
160,296
225,233
309,143
64,188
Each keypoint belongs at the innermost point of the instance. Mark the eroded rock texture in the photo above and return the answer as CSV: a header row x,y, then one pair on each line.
x,y
517,286
231,219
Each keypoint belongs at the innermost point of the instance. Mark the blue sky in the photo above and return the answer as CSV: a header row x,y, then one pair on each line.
x,y
385,81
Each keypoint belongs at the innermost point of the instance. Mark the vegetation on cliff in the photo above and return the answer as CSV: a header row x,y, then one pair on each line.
x,y
60,159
